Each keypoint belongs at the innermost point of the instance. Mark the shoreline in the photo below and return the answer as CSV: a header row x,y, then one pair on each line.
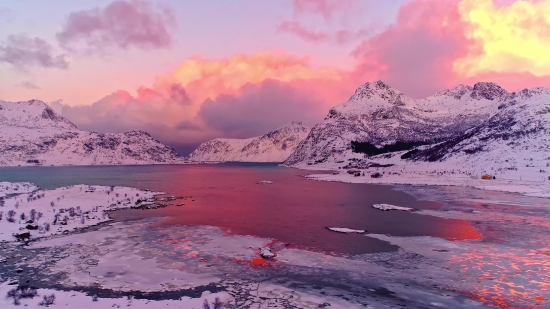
x,y
528,188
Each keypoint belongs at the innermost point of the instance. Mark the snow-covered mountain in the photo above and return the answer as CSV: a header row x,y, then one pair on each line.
x,y
34,134
378,117
518,135
274,146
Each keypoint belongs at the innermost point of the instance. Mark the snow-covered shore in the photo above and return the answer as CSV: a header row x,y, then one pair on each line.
x,y
528,183
42,213
82,301
16,188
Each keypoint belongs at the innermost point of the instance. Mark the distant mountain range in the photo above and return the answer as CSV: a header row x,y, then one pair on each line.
x,y
480,126
274,146
34,134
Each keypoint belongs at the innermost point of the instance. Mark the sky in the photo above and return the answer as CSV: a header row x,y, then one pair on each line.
x,y
189,71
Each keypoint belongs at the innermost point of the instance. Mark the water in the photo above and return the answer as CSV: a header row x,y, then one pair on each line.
x,y
292,210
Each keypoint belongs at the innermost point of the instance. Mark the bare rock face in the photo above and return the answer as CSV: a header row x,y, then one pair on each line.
x,y
274,146
34,134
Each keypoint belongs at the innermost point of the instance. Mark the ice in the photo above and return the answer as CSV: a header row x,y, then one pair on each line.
x,y
266,253
344,230
74,299
509,265
51,212
7,188
391,207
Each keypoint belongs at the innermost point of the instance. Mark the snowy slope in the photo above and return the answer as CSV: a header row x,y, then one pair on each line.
x,y
511,143
380,115
34,134
274,146
517,136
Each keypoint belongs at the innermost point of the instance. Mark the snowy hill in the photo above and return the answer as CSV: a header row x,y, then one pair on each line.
x,y
34,134
479,136
518,135
274,146
378,117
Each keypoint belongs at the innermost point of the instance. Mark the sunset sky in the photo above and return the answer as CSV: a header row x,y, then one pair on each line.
x,y
188,71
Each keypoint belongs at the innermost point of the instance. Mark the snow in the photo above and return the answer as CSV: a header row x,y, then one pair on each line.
x,y
274,146
34,134
266,253
80,300
7,188
391,207
473,131
75,207
345,230
380,115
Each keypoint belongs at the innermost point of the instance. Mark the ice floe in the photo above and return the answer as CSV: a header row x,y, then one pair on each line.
x,y
344,230
391,207
266,253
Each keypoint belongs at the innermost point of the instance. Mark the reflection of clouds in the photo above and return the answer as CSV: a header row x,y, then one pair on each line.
x,y
504,276
510,268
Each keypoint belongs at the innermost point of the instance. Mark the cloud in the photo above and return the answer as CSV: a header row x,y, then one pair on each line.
x,y
202,99
316,36
22,52
121,24
325,8
417,52
436,44
328,10
257,109
29,85
507,38
208,78
5,15
302,32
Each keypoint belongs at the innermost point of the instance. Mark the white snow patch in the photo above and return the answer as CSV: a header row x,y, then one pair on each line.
x,y
391,207
50,212
266,253
344,230
16,187
80,300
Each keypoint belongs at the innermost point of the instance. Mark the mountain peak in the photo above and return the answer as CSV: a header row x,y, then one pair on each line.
x,y
488,91
380,89
32,114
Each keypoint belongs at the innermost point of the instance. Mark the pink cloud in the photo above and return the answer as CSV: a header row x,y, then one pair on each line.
x,y
122,24
416,53
326,8
22,52
240,96
314,36
302,32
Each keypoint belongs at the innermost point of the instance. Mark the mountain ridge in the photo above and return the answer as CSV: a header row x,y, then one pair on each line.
x,y
34,134
378,116
274,146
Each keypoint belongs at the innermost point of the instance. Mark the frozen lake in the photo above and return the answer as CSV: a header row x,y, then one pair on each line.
x,y
292,209
462,248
